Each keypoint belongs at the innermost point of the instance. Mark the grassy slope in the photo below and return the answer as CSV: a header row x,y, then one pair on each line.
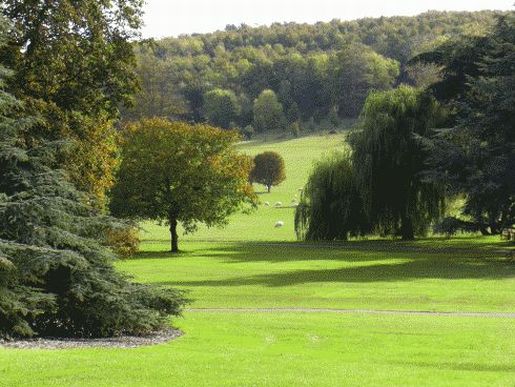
x,y
306,349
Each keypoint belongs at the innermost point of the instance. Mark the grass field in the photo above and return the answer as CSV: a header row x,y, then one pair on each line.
x,y
250,264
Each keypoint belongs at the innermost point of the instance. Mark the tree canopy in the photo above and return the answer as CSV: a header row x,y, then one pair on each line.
x,y
476,156
317,67
73,66
178,172
221,108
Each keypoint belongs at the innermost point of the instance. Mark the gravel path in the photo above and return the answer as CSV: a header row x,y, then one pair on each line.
x,y
114,342
351,311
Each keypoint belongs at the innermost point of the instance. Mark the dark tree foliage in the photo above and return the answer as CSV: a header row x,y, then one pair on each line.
x,y
477,155
221,107
331,207
55,278
389,157
73,66
315,66
268,169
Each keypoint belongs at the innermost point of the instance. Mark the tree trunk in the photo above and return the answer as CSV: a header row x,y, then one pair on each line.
x,y
407,231
268,187
174,238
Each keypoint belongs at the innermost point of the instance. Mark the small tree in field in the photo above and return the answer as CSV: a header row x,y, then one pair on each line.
x,y
268,169
177,172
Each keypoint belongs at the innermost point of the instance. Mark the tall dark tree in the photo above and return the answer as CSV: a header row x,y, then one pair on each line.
x,y
477,155
389,157
221,107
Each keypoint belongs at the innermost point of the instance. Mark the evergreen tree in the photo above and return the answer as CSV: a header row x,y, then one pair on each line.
x,y
476,156
56,279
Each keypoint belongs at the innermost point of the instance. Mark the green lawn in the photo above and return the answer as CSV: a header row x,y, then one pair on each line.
x,y
251,264
289,349
373,275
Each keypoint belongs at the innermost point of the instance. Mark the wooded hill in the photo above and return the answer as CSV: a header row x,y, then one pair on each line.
x,y
320,71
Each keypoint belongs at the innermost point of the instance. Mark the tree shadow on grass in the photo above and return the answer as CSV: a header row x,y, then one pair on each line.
x,y
392,264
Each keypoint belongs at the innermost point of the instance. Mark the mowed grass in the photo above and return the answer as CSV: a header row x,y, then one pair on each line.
x,y
255,349
250,264
365,274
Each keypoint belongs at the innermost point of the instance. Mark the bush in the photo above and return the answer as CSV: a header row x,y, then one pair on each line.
x,y
451,226
124,241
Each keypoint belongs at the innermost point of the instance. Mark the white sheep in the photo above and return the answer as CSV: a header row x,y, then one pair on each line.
x,y
267,204
278,204
279,224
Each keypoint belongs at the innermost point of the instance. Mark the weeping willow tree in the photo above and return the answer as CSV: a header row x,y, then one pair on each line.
x,y
331,207
389,157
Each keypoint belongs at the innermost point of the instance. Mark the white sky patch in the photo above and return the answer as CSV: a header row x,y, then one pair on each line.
x,y
174,17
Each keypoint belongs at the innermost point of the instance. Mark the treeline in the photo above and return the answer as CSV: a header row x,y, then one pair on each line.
x,y
301,72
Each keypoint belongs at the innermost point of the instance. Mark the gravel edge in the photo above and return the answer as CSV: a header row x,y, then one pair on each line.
x,y
156,338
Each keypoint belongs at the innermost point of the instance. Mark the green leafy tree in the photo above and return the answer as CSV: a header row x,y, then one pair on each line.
x,y
268,112
177,172
331,206
389,157
56,279
356,70
221,107
268,169
73,67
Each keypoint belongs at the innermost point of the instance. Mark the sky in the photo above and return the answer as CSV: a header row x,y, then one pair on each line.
x,y
174,17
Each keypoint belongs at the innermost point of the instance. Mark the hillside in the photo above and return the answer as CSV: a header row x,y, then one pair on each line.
x,y
317,71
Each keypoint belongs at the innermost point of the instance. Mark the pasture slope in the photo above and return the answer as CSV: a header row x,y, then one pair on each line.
x,y
254,319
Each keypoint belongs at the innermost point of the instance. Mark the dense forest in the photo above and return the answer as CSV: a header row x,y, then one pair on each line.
x,y
297,73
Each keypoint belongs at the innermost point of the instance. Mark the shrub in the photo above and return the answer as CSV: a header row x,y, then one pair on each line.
x,y
124,241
